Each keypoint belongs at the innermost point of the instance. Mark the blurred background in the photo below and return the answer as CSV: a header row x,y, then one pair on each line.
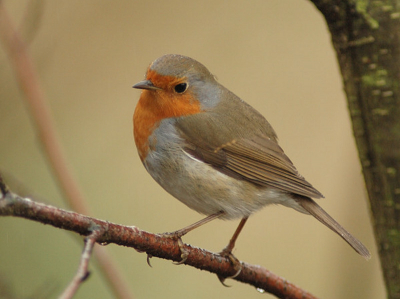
x,y
274,54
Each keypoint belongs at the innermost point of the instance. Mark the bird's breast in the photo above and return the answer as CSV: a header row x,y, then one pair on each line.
x,y
152,108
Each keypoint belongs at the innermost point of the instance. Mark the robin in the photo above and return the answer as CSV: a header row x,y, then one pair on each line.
x,y
214,152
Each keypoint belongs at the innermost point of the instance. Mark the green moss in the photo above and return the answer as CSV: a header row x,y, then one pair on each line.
x,y
394,237
376,79
361,7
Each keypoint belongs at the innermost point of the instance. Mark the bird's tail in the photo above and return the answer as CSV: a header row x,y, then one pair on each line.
x,y
315,210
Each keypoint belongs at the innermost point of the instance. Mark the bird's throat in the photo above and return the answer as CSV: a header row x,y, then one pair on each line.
x,y
154,106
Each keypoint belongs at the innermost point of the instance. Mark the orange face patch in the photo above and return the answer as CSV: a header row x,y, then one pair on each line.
x,y
156,105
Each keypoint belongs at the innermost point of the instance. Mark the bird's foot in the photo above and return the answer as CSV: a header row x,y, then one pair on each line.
x,y
237,265
177,236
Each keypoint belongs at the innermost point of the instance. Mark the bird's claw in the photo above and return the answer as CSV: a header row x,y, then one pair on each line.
x,y
237,265
184,251
149,256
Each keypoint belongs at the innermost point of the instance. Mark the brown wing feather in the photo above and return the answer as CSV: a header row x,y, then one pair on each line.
x,y
257,159
263,162
249,153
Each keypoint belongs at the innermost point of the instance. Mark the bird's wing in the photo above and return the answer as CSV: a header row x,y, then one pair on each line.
x,y
255,157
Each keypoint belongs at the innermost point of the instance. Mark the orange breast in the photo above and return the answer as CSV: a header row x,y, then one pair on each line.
x,y
156,105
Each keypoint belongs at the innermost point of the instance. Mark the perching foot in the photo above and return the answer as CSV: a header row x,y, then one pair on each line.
x,y
237,265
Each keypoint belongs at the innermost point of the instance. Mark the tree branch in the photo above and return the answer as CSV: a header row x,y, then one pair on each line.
x,y
28,80
366,37
82,273
153,244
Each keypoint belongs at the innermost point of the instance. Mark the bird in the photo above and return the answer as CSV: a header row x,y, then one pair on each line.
x,y
214,152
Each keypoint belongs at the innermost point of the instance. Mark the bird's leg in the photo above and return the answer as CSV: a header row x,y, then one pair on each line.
x,y
228,249
227,252
177,235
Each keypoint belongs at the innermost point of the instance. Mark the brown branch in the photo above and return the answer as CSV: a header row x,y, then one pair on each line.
x,y
82,273
153,244
28,81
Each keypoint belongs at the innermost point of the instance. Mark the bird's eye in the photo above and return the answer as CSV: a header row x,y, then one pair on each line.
x,y
181,87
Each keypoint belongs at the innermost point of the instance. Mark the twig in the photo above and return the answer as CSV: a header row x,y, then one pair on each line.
x,y
82,273
29,83
153,244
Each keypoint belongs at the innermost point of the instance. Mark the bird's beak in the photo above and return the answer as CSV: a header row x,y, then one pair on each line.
x,y
146,84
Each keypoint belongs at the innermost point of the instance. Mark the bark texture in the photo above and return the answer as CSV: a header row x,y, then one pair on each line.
x,y
365,35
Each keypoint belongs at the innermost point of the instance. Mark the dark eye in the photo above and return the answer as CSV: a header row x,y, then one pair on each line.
x,y
181,87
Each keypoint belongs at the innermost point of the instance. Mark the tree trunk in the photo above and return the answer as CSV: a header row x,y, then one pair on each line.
x,y
365,35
